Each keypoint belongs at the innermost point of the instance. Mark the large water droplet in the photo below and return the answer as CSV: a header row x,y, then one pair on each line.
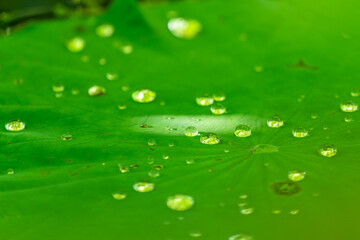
x,y
275,122
105,30
143,96
144,186
218,108
204,99
96,91
184,28
15,125
191,131
180,202
209,138
349,106
242,131
241,237
76,44
300,132
327,150
296,175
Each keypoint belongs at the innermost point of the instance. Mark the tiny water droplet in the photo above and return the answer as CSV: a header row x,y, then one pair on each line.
x,y
355,93
76,44
275,122
191,131
119,195
219,96
294,212
66,136
121,106
125,88
144,187
287,188
195,234
111,76
209,138
180,202
96,91
247,211
314,116
123,169
218,108
102,61
143,96
10,171
151,142
190,161
58,87
154,173
171,144
349,106
348,118
58,94
242,131
241,237
300,132
184,28
296,175
157,167
15,125
276,211
105,30
127,49
327,150
204,99
74,91
165,156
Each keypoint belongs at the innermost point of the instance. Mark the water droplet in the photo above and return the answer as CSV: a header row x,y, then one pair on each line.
x,y
349,106
76,44
125,88
105,30
296,175
127,49
144,186
154,173
123,169
58,95
111,76
195,234
276,211
191,131
180,202
226,150
264,148
184,28
275,122
10,171
219,96
143,96
247,211
165,156
121,106
66,136
171,144
287,188
241,237
209,138
119,195
157,167
218,108
58,87
96,91
348,118
294,212
314,116
242,131
355,93
190,161
151,142
204,99
15,125
327,150
300,132
102,61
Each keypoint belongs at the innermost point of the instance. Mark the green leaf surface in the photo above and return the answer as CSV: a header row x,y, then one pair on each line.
x,y
292,58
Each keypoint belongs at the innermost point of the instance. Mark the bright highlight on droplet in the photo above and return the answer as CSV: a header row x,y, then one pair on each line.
x,y
184,28
105,30
15,125
204,99
241,237
242,131
144,186
327,150
143,96
58,88
296,175
191,131
275,122
218,108
349,106
300,132
180,202
209,138
76,44
96,91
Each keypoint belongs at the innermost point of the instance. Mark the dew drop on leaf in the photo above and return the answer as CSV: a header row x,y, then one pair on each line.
x,y
111,76
154,173
143,96
10,171
184,28
191,131
354,93
15,125
219,96
275,122
242,131
287,188
121,106
195,234
190,161
180,202
127,49
151,142
327,150
209,138
204,99
218,108
102,61
241,237
144,186
76,44
58,87
119,195
296,175
246,211
300,132
66,136
348,118
105,30
96,91
349,106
